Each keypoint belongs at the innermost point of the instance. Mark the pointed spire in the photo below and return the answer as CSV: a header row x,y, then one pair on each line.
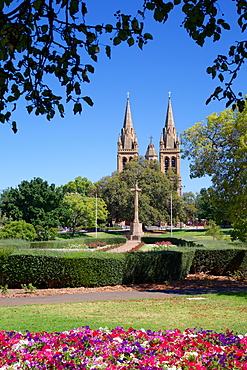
x,y
128,117
169,114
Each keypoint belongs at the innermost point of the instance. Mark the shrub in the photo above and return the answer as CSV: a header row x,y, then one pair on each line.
x,y
18,230
64,243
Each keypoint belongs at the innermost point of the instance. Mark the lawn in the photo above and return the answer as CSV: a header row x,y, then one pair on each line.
x,y
216,312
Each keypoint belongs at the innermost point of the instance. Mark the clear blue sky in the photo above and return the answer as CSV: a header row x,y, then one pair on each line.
x,y
86,145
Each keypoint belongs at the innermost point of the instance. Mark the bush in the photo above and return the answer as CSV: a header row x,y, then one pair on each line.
x,y
151,267
63,271
174,241
59,244
18,230
219,262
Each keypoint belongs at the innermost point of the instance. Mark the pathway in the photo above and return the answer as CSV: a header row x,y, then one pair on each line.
x,y
128,246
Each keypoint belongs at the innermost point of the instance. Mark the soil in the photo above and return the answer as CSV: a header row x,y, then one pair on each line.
x,y
191,281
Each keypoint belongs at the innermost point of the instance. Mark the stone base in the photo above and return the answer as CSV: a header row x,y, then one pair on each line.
x,y
135,231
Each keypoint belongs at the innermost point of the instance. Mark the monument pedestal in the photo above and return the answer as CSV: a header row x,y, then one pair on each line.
x,y
136,231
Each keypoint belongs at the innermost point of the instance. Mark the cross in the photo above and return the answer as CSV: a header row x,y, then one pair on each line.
x,y
151,138
169,94
128,95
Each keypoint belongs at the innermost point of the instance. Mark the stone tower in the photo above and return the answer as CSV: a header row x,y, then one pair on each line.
x,y
127,141
169,144
151,153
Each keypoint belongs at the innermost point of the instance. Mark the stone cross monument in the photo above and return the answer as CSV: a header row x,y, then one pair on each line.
x,y
136,227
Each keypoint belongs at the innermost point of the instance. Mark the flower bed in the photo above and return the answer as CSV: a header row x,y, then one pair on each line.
x,y
85,348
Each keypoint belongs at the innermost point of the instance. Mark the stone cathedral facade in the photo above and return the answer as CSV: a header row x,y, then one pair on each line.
x,y
169,148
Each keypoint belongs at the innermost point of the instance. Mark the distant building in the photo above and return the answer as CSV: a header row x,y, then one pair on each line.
x,y
169,153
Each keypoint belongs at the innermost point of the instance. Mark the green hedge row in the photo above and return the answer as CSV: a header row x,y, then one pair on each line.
x,y
174,241
99,269
87,269
219,262
57,244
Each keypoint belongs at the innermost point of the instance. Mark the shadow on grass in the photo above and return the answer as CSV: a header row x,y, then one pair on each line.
x,y
242,294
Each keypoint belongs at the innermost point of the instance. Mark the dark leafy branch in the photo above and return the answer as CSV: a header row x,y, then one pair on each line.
x,y
44,39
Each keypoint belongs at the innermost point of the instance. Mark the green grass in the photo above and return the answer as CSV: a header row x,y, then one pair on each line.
x,y
215,312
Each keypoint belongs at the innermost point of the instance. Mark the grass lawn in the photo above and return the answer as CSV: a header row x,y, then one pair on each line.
x,y
216,312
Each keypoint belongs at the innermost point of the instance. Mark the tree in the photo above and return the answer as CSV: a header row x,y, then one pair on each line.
x,y
219,149
154,199
80,185
35,202
40,38
81,210
190,208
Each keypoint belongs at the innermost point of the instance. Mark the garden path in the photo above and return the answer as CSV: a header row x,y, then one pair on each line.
x,y
128,246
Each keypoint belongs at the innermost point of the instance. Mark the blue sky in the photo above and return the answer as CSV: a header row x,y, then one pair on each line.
x,y
86,145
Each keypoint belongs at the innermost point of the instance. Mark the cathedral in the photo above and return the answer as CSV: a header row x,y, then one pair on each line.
x,y
169,149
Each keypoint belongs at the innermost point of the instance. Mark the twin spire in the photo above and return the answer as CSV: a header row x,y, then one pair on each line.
x,y
169,142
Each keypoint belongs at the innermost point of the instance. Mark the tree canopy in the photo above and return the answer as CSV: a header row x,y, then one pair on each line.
x,y
35,202
154,199
218,148
81,211
41,38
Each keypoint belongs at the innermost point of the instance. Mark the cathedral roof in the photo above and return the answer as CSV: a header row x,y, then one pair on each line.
x,y
151,151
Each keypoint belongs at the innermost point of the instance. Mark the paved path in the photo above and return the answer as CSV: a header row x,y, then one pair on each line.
x,y
122,295
130,244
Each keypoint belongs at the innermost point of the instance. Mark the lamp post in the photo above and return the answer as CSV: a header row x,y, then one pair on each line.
x,y
171,214
96,215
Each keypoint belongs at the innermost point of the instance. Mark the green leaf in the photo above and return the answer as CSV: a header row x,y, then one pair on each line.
x,y
77,108
29,108
44,28
130,41
14,127
148,36
177,2
11,98
108,28
88,100
226,26
108,51
90,68
83,8
116,41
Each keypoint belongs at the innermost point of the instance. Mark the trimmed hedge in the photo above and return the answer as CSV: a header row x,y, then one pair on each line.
x,y
151,267
87,269
174,241
59,244
219,262
63,271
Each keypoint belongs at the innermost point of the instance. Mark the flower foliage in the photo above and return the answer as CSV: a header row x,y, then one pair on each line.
x,y
85,348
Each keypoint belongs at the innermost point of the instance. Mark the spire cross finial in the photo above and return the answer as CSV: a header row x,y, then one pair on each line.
x,y
151,138
169,94
128,95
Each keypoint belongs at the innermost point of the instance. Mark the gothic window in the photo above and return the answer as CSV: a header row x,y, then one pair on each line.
x,y
173,161
166,163
130,158
124,161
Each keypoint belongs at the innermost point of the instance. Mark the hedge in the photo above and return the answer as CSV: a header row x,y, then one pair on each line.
x,y
62,271
151,267
174,241
220,261
87,269
57,244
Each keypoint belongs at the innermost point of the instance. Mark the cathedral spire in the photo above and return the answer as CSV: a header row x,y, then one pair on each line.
x,y
128,117
169,143
127,142
169,114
